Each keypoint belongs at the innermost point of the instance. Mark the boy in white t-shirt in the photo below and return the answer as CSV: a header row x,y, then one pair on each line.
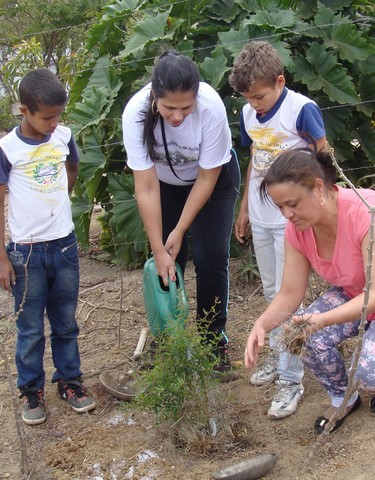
x,y
39,164
274,119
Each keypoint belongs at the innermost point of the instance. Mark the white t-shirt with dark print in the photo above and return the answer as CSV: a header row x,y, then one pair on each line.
x,y
203,139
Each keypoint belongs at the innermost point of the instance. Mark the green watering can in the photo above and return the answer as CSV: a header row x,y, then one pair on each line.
x,y
165,306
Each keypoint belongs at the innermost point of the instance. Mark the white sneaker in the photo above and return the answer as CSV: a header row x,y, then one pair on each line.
x,y
265,372
285,401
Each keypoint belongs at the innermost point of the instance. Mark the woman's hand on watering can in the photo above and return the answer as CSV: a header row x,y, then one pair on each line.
x,y
173,243
165,266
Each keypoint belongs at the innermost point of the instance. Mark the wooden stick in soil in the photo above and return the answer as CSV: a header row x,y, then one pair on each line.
x,y
94,373
141,344
120,317
19,426
25,470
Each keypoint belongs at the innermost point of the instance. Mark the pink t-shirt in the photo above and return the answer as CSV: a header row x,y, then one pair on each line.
x,y
346,268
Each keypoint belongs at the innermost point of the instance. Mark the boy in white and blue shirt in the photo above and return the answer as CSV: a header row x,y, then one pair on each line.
x,y
39,264
273,120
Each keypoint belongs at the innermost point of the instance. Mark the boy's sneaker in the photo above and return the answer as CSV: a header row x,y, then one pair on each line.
x,y
223,370
286,399
34,411
266,372
74,393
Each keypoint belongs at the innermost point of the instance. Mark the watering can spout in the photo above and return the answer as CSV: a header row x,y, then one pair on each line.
x,y
165,307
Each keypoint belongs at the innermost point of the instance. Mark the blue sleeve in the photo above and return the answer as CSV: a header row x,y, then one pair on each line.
x,y
245,139
310,120
73,156
5,168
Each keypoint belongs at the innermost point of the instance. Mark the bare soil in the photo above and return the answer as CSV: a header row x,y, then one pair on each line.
x,y
115,443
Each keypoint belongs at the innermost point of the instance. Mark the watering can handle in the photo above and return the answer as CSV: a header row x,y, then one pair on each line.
x,y
173,297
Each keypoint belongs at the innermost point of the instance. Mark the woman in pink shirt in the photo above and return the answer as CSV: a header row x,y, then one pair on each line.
x,y
329,231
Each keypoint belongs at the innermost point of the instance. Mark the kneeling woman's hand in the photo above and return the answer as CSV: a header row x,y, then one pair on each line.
x,y
254,344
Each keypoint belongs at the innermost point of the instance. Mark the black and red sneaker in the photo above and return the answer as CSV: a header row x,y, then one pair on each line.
x,y
34,411
75,394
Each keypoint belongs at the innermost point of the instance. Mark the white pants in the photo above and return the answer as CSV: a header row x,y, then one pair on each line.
x,y
269,252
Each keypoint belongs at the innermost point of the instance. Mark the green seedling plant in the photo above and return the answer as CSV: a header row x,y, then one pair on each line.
x,y
179,384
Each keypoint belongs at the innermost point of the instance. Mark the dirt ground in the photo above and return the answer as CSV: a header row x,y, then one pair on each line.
x,y
115,443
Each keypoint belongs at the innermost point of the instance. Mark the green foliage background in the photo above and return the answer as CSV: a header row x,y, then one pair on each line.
x,y
327,47
40,33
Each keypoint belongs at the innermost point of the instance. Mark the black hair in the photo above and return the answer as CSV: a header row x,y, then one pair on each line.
x,y
173,72
41,87
302,167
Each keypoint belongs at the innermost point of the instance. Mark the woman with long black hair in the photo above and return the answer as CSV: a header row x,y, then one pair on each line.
x,y
178,144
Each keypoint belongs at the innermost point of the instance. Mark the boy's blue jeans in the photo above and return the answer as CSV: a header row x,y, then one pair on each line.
x,y
47,280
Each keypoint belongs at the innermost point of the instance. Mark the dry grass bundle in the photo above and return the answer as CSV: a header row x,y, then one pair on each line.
x,y
293,336
232,436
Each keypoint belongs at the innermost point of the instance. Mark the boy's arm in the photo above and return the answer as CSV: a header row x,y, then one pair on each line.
x,y
321,144
71,164
310,121
72,172
7,275
242,225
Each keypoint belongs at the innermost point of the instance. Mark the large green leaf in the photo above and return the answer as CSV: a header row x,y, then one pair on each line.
x,y
81,211
125,215
225,10
342,35
92,158
100,32
251,6
78,87
321,70
306,8
150,29
366,88
336,121
93,184
278,20
119,9
93,109
337,4
186,47
234,40
368,66
101,90
367,138
103,75
213,69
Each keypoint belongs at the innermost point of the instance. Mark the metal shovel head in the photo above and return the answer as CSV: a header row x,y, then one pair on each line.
x,y
165,306
250,469
120,384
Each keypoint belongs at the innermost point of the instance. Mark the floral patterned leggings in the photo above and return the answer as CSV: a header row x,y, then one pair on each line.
x,y
322,356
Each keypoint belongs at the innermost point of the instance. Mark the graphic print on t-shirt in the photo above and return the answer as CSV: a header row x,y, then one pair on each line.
x,y
177,154
43,166
267,144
